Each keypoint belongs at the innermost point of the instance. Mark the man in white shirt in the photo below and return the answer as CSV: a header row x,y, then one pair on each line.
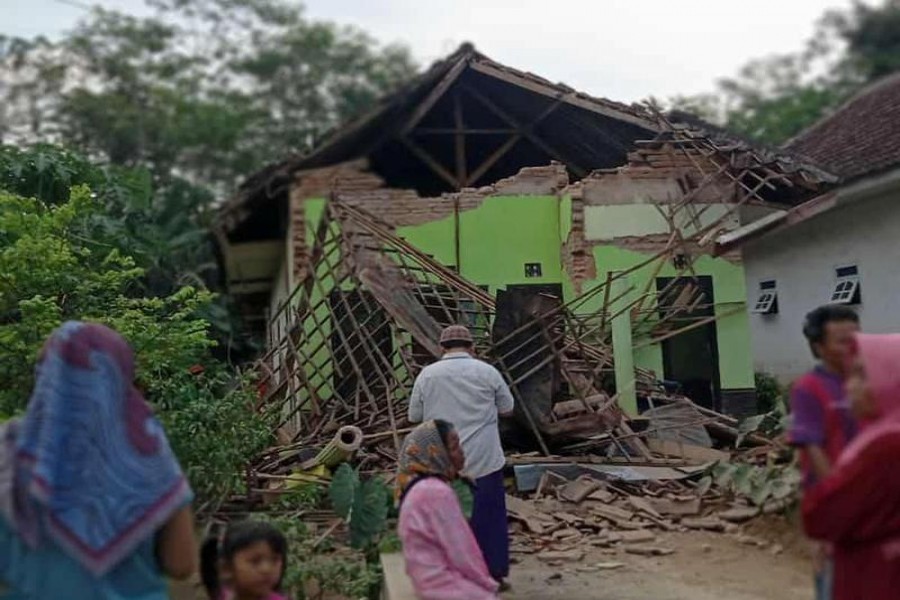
x,y
472,395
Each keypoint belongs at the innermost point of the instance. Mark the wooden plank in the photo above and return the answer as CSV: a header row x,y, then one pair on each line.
x,y
547,90
460,141
397,584
525,130
464,130
439,90
493,158
434,165
698,454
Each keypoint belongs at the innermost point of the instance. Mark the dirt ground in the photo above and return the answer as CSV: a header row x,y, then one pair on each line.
x,y
705,566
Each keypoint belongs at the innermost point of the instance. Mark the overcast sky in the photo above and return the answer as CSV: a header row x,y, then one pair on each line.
x,y
625,50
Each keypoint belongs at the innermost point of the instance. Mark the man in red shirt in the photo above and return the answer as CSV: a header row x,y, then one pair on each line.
x,y
821,423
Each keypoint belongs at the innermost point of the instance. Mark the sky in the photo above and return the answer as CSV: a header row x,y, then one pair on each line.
x,y
625,50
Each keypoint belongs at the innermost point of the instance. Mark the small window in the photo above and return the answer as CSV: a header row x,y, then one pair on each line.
x,y
767,299
846,286
533,270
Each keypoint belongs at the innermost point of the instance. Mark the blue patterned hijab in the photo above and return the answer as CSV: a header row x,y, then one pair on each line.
x,y
91,466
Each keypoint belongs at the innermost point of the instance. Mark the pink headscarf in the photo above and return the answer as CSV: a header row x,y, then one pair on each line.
x,y
880,356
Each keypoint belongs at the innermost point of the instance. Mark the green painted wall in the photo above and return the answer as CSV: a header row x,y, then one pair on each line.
x,y
733,332
436,238
502,234
497,239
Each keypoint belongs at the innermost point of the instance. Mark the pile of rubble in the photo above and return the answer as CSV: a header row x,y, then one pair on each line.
x,y
566,519
364,317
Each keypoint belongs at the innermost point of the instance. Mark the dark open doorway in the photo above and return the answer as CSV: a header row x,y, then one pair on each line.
x,y
691,358
525,331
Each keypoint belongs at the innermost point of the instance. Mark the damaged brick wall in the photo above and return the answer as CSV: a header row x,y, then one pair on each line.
x,y
649,179
577,253
352,184
321,183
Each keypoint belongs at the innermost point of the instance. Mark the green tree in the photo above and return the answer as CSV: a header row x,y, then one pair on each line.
x,y
53,267
172,110
147,222
872,38
208,89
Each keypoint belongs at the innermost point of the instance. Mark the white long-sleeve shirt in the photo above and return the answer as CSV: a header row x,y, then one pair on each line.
x,y
470,394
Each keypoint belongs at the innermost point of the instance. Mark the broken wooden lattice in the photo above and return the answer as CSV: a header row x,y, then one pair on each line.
x,y
364,319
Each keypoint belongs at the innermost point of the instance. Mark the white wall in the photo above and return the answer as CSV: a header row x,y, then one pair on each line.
x,y
602,223
802,260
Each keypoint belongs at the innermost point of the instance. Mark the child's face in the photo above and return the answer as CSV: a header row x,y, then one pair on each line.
x,y
255,570
861,401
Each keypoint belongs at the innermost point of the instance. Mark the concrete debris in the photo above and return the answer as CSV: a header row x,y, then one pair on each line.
x,y
649,550
567,556
676,507
637,537
705,523
588,516
576,491
739,514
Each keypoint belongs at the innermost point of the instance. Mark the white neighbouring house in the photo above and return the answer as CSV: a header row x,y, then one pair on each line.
x,y
842,247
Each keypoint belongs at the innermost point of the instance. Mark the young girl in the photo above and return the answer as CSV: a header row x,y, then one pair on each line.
x,y
443,559
248,563
857,507
93,504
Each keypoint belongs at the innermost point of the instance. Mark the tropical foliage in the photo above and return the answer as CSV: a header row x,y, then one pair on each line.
x,y
206,90
58,263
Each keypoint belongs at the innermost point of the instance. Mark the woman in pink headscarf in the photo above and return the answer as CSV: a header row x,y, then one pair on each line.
x,y
857,507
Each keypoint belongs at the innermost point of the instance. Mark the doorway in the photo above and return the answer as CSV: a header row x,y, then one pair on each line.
x,y
691,358
524,329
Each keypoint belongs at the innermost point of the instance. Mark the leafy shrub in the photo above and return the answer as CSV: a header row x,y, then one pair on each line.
x,y
52,269
362,504
769,394
758,483
213,429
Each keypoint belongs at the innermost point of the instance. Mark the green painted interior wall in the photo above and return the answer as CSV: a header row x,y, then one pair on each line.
x,y
496,239
435,238
733,332
503,233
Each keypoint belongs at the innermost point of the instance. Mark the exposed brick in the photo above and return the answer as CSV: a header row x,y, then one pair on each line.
x,y
577,253
534,181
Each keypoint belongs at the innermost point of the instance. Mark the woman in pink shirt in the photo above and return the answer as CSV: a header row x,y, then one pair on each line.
x,y
443,559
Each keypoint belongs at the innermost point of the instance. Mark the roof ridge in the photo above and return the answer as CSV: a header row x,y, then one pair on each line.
x,y
829,116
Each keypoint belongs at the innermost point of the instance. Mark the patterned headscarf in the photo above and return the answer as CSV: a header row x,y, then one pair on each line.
x,y
92,468
423,453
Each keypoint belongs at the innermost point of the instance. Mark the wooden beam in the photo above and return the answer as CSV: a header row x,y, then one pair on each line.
x,y
493,158
460,141
439,90
525,130
434,165
549,90
464,130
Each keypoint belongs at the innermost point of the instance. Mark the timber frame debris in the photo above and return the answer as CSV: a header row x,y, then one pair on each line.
x,y
367,308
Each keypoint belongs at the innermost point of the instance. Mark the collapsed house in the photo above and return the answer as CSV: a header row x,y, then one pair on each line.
x,y
583,260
